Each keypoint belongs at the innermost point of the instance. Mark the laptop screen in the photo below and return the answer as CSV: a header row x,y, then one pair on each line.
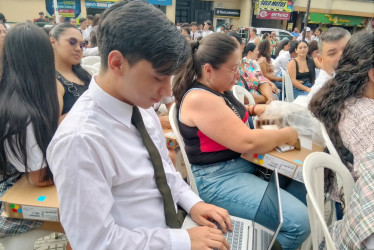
x,y
269,212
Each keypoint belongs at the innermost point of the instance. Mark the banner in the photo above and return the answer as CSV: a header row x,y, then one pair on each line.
x,y
66,8
226,12
340,20
98,4
160,2
274,15
276,5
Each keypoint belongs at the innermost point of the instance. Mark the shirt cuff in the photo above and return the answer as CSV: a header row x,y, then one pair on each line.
x,y
188,199
180,239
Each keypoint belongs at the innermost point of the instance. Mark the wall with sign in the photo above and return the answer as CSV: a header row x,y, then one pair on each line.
x,y
273,9
21,10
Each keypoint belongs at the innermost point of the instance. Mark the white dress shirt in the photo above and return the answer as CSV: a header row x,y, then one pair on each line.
x,y
281,62
86,34
322,78
105,179
207,32
195,35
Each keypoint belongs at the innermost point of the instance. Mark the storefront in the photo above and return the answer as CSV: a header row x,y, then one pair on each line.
x,y
272,13
352,23
225,16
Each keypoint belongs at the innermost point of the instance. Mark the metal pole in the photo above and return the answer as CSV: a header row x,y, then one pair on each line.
x,y
306,19
56,11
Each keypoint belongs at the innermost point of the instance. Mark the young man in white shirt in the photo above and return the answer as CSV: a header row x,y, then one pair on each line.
x,y
283,60
331,45
84,29
194,32
103,173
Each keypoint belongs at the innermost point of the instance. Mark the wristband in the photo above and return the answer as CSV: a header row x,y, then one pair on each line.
x,y
253,110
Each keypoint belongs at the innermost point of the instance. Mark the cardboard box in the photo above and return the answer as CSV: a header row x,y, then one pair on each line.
x,y
25,201
288,163
171,140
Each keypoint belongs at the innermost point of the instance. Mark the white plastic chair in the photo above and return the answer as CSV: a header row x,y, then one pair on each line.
x,y
90,69
90,60
328,142
287,87
97,65
174,125
313,172
240,92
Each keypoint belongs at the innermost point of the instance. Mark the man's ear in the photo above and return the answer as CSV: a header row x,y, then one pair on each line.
x,y
117,63
319,58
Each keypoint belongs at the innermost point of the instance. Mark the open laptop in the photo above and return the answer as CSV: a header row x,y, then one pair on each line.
x,y
259,234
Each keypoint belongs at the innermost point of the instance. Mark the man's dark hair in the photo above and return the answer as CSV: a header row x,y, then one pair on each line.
x,y
236,35
193,23
82,20
2,18
90,17
140,31
293,46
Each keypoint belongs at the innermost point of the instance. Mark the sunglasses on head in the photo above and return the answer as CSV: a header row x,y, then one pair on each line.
x,y
73,42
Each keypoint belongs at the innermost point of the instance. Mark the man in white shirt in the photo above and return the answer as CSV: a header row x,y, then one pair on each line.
x,y
84,29
331,46
308,37
103,173
194,32
283,60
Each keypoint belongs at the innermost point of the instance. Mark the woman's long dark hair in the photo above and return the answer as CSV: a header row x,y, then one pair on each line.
x,y
350,80
264,50
281,46
28,93
80,72
203,52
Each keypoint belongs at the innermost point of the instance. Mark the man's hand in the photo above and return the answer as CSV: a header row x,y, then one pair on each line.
x,y
203,214
207,238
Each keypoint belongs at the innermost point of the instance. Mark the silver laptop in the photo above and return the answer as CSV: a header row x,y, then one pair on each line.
x,y
259,234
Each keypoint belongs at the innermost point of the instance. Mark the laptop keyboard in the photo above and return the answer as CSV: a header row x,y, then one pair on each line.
x,y
265,238
234,237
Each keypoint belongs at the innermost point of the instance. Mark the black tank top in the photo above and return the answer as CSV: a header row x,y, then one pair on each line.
x,y
200,149
72,92
306,76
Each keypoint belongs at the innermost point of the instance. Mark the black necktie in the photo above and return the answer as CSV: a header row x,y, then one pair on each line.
x,y
169,208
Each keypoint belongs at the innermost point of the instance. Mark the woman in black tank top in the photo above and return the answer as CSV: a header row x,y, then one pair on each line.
x,y
212,124
302,70
72,79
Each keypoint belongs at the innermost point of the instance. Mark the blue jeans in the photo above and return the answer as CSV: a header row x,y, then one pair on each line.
x,y
297,92
232,185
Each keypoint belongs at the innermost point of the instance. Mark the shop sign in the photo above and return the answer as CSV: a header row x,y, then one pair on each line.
x,y
274,15
161,2
98,4
340,20
276,5
66,8
226,12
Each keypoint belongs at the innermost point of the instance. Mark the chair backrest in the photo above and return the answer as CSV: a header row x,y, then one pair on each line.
x,y
328,142
90,60
91,69
97,65
173,118
313,172
240,92
287,87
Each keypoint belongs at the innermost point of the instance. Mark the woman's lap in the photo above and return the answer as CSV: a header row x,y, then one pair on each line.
x,y
233,186
297,92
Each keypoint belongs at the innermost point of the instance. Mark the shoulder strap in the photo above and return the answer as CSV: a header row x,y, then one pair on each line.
x,y
244,82
297,65
69,85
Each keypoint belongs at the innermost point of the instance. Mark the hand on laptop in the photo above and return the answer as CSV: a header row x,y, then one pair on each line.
x,y
204,213
207,238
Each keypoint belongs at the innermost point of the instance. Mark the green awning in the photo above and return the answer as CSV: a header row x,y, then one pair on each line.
x,y
337,19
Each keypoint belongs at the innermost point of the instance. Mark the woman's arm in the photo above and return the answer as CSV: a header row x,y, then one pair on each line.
x,y
60,94
267,74
292,72
216,120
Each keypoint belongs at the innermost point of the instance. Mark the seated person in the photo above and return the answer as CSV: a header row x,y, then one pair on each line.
x,y
29,118
345,105
266,65
282,60
302,70
108,151
252,79
212,123
356,230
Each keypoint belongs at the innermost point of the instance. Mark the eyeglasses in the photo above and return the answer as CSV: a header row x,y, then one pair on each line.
x,y
73,42
229,70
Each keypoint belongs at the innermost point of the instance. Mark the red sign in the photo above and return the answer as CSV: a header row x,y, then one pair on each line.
x,y
273,15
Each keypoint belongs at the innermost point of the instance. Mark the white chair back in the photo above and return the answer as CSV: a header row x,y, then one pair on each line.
x,y
287,87
328,142
90,69
90,60
173,118
313,172
240,92
97,65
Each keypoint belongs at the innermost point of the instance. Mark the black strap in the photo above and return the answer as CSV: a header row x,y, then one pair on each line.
x,y
244,82
69,85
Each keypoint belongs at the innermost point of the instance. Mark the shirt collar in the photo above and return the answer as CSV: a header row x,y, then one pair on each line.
x,y
119,110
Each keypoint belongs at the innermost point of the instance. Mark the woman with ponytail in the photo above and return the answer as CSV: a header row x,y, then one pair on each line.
x,y
212,123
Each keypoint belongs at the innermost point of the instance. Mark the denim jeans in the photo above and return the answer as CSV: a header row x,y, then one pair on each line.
x,y
297,92
232,185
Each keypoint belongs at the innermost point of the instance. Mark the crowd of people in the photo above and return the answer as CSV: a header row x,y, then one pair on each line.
x,y
100,141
